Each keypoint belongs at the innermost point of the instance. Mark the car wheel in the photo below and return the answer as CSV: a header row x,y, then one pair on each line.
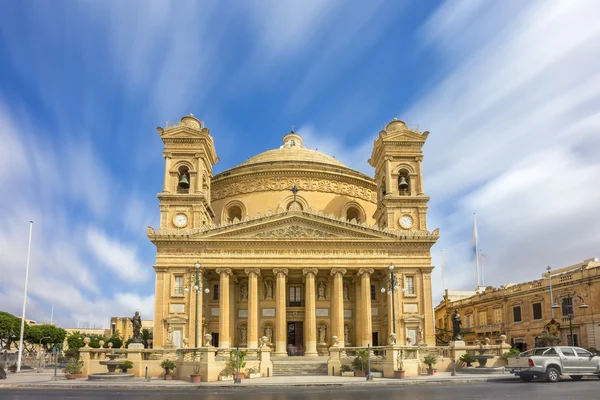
x,y
526,378
552,374
576,377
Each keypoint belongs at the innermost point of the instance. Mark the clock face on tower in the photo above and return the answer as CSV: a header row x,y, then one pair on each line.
x,y
406,221
180,220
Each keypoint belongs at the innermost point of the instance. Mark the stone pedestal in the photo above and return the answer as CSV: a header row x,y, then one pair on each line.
x,y
135,346
458,348
334,364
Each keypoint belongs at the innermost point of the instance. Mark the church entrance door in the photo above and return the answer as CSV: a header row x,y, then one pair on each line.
x,y
295,338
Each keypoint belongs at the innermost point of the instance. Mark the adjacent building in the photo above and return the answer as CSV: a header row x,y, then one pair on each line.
x,y
292,245
523,311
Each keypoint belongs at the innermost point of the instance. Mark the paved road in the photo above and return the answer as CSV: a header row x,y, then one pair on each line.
x,y
564,390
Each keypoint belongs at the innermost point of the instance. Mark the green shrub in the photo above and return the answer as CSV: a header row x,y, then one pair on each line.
x,y
467,359
167,365
345,368
509,354
430,360
361,360
127,364
73,366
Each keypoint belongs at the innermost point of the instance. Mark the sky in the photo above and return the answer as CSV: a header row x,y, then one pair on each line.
x,y
510,91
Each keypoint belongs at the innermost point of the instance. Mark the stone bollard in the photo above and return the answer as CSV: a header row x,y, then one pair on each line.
x,y
334,363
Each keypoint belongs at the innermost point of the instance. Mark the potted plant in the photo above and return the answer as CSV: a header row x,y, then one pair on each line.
x,y
226,373
399,374
237,362
430,360
467,359
360,362
168,366
73,369
196,377
346,370
252,372
125,365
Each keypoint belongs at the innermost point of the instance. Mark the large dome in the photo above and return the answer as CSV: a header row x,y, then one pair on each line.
x,y
292,150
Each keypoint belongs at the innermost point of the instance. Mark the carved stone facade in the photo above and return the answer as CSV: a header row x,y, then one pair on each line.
x,y
291,244
523,311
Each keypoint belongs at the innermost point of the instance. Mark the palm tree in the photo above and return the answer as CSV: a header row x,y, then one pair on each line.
x,y
146,338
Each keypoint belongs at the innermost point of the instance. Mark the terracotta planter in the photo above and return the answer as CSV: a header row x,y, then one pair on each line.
x,y
168,377
399,374
430,371
361,374
73,376
240,376
196,378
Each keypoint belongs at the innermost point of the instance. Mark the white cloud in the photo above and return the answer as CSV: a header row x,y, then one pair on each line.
x,y
120,258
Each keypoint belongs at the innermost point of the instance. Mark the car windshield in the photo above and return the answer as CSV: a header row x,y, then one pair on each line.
x,y
539,352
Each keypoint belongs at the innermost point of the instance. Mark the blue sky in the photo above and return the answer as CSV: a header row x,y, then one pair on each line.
x,y
509,89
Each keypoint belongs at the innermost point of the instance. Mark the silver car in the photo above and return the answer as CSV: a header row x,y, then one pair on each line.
x,y
552,362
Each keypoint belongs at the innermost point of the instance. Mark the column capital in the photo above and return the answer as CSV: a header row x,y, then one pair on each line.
x,y
221,271
335,271
307,271
419,158
255,271
166,154
278,271
365,271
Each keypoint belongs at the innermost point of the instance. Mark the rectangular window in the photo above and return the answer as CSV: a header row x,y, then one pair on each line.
x,y
537,311
498,316
215,292
410,285
469,321
567,306
517,314
295,296
178,289
373,293
482,318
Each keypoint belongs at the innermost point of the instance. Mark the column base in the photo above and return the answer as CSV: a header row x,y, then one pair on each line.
x,y
280,354
311,354
224,344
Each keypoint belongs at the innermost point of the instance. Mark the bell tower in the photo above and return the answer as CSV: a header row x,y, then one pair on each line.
x,y
397,157
190,155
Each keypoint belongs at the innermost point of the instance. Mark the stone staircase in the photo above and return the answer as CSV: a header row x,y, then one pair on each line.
x,y
293,366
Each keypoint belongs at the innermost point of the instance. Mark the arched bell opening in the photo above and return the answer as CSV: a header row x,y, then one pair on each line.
x,y
403,182
183,180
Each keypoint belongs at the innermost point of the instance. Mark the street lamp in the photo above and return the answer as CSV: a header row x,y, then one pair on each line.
x,y
197,289
391,289
570,315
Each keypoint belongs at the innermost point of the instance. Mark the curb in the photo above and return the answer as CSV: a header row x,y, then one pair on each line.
x,y
405,382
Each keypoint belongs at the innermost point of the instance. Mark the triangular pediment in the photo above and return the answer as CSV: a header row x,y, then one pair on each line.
x,y
404,136
184,132
295,226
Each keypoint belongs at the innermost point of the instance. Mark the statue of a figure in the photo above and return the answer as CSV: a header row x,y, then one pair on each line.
x,y
322,333
268,290
269,333
456,326
170,335
419,337
346,292
244,292
322,290
347,334
243,334
136,321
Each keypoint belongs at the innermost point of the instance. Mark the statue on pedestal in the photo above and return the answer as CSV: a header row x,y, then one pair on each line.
x,y
136,321
456,326
321,290
268,290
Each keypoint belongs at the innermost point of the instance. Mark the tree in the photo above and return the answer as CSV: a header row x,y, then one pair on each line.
x,y
48,335
10,330
116,340
147,337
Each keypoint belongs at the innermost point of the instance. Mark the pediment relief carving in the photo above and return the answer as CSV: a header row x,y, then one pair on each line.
x,y
294,231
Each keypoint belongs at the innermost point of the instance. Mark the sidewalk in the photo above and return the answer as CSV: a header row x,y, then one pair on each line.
x,y
44,380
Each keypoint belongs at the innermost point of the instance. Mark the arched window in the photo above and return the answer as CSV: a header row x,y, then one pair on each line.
x,y
234,212
183,180
353,213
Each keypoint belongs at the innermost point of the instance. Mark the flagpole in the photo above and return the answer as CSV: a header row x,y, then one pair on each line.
x,y
476,247
24,300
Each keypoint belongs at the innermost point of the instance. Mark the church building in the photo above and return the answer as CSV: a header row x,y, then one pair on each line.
x,y
292,248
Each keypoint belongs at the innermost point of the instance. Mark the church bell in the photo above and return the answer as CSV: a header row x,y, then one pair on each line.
x,y
184,181
402,184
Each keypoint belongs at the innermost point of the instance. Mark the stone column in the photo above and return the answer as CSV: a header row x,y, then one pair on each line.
x,y
357,312
310,317
428,333
388,177
198,172
160,303
253,274
419,160
337,305
224,333
167,157
365,285
280,312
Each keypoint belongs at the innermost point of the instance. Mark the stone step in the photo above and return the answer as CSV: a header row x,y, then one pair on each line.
x,y
299,367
